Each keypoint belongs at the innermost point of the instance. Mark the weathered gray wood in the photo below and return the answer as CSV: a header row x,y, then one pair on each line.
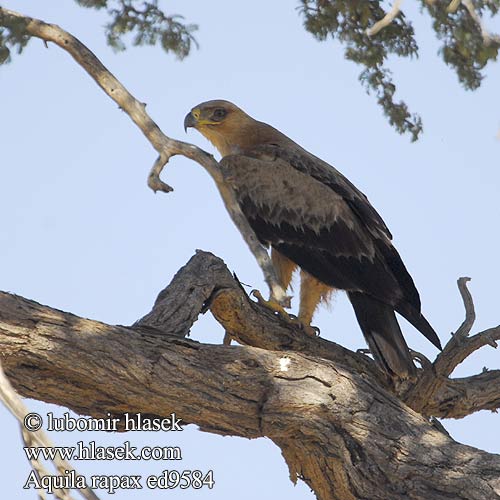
x,y
177,307
164,145
341,427
338,427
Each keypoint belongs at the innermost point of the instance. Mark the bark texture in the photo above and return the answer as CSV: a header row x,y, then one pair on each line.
x,y
341,427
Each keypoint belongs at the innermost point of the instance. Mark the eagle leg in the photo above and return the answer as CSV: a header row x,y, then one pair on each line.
x,y
284,269
312,293
273,305
290,319
307,328
312,331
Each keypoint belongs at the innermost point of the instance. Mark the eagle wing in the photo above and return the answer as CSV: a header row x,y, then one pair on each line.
x,y
326,174
313,215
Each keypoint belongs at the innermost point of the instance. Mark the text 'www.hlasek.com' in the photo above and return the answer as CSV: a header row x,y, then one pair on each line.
x,y
68,478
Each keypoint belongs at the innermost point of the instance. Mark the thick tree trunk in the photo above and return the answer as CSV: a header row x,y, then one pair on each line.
x,y
338,426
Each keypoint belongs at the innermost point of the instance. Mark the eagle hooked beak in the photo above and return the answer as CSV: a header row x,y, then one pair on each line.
x,y
189,121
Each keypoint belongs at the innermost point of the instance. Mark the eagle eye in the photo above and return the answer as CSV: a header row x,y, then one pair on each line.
x,y
219,114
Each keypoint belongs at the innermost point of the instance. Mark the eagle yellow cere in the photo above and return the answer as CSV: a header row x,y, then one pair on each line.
x,y
313,218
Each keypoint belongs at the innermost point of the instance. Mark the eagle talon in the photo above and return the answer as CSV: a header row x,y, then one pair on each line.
x,y
291,319
286,302
272,305
314,331
309,330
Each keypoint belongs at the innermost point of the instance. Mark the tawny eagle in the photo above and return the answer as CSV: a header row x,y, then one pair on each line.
x,y
314,218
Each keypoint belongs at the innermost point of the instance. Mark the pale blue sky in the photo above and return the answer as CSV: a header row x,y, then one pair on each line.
x,y
82,232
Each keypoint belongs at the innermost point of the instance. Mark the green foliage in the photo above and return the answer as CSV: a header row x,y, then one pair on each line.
x,y
12,37
96,4
463,46
347,21
147,22
144,20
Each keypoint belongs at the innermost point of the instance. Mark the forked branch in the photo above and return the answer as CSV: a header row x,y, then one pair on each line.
x,y
164,145
330,411
338,427
458,397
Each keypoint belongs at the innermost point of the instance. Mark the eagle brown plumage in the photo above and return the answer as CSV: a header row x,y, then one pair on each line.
x,y
314,218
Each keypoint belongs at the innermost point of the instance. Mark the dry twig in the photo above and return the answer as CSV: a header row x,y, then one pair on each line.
x,y
13,403
165,146
435,377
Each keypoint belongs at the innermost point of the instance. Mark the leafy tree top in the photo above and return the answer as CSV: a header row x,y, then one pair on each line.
x,y
368,34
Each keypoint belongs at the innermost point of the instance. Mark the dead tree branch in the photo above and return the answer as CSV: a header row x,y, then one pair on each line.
x,y
177,308
341,426
250,324
12,401
339,429
435,389
165,146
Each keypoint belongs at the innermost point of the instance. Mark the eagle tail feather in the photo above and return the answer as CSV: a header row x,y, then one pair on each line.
x,y
418,320
384,337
